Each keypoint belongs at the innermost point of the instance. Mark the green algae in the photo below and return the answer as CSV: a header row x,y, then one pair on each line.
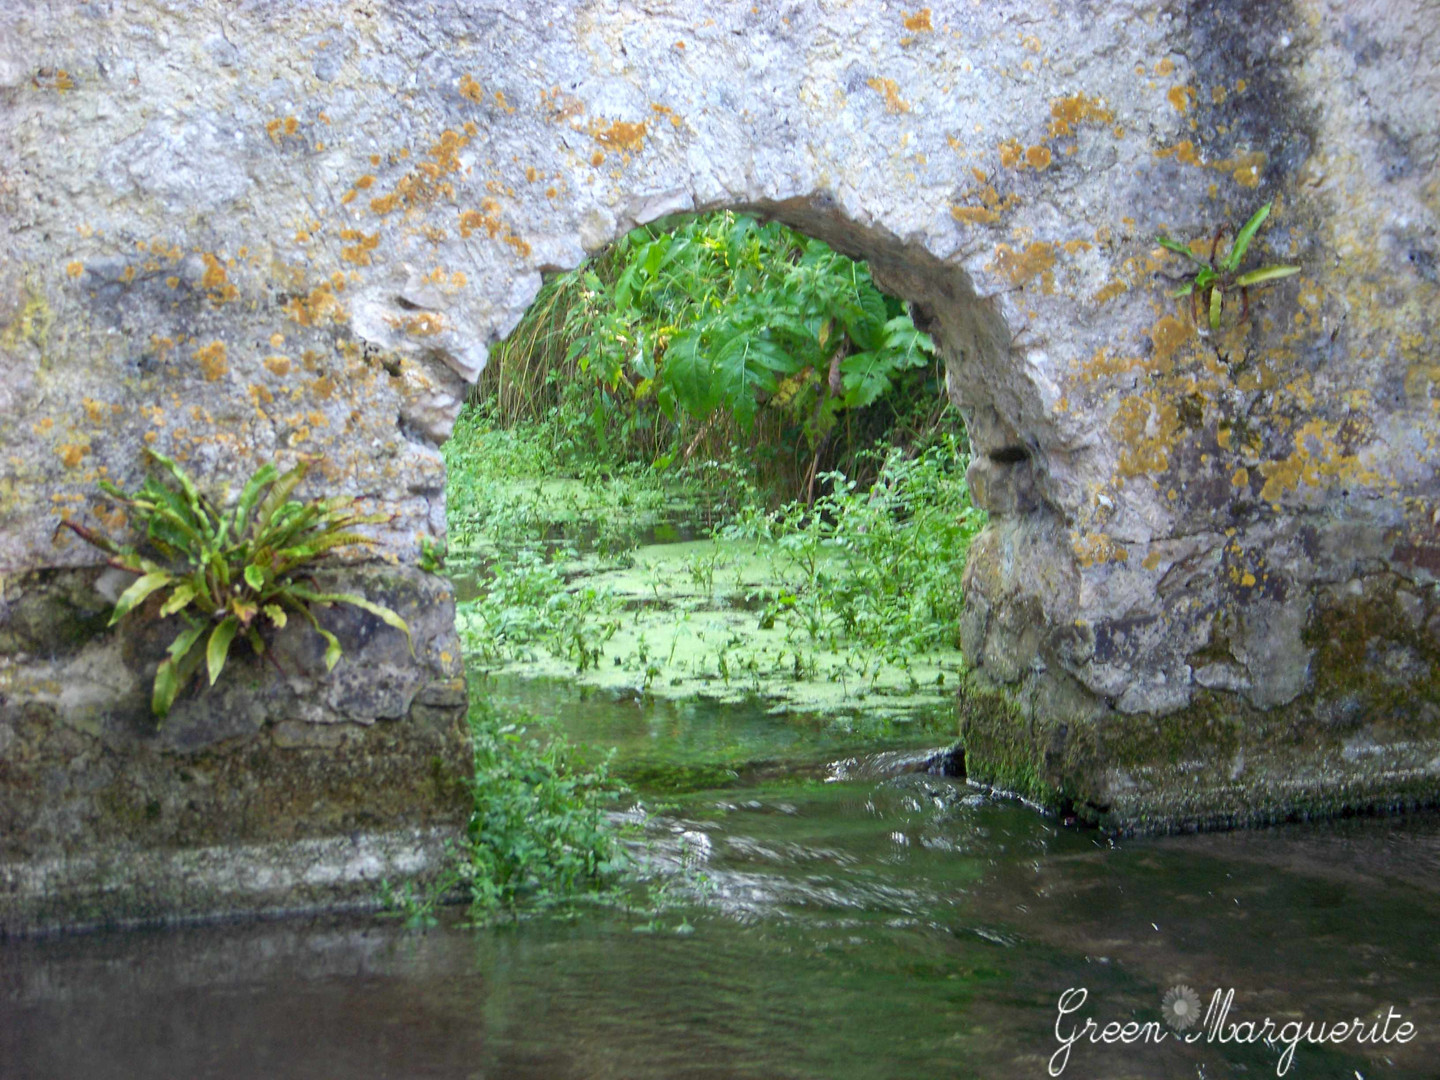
x,y
703,619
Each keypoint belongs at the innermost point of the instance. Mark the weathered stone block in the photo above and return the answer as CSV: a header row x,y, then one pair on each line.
x,y
245,233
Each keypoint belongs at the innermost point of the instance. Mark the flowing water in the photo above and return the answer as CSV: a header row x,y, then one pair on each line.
x,y
830,910
833,914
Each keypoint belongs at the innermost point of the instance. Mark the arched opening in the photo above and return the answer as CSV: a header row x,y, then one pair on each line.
x,y
718,461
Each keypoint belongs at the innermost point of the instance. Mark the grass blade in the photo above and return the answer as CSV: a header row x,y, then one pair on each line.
x,y
1266,274
1243,238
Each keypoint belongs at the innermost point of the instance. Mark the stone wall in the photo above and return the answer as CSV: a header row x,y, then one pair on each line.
x,y
238,232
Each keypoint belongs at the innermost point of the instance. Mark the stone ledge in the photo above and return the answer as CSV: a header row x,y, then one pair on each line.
x,y
127,887
1219,764
280,754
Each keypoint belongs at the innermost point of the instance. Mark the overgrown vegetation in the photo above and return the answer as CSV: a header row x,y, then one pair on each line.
x,y
230,572
902,544
540,833
744,389
678,346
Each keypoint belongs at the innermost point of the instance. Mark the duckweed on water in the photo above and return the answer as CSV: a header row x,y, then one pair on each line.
x,y
852,600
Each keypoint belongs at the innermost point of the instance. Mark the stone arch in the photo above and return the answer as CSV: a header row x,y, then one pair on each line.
x,y
1208,594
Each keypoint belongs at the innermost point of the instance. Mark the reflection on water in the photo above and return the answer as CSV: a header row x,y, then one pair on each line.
x,y
882,925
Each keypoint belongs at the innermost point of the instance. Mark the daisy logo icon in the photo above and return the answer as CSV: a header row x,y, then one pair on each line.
x,y
1181,1007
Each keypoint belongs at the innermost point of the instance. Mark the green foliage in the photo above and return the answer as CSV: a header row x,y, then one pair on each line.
x,y
539,833
528,604
901,545
1216,276
680,340
232,572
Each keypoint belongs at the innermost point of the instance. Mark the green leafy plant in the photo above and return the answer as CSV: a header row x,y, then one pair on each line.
x,y
230,572
539,833
679,344
1216,276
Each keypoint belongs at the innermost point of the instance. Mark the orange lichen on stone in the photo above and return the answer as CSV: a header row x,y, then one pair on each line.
x,y
75,269
597,158
620,136
424,324
1105,364
1180,98
323,387
1168,335
277,365
1096,549
1011,153
471,89
472,221
1165,66
281,128
1183,152
72,454
919,23
1317,459
1038,157
260,395
974,215
1244,168
383,204
365,182
316,308
358,251
1068,113
1020,267
500,101
890,90
1147,431
215,275
212,360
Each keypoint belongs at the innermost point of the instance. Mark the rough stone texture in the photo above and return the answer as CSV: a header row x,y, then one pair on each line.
x,y
238,231
107,816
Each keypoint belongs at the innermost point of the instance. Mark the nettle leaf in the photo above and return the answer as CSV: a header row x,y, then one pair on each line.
x,y
254,577
137,593
913,346
865,376
689,374
865,319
